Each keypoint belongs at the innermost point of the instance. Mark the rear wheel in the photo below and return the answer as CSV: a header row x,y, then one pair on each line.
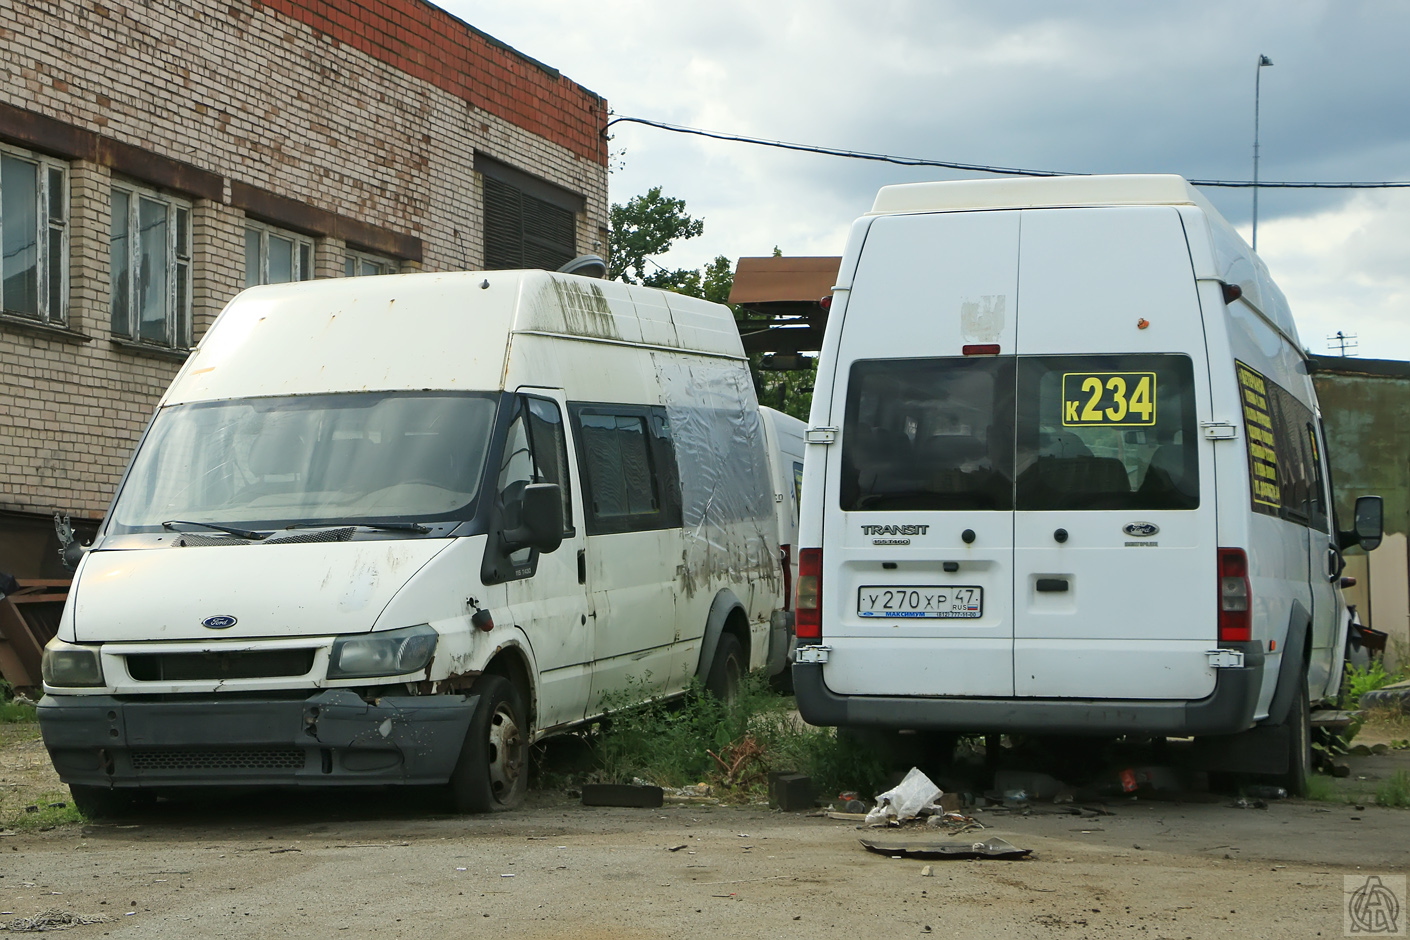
x,y
726,670
1299,725
492,773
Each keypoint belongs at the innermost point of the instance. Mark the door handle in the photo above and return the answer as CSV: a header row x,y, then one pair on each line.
x,y
1052,585
582,566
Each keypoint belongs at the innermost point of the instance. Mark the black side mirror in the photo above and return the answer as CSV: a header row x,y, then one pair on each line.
x,y
73,554
540,518
1369,526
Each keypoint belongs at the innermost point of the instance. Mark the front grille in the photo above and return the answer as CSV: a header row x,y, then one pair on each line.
x,y
228,758
245,664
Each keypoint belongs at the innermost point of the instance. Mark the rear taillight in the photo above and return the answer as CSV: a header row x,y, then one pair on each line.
x,y
785,554
807,615
1235,597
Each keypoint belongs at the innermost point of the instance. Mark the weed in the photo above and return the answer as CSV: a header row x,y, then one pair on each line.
x,y
12,712
1322,789
1395,791
733,746
1357,682
49,810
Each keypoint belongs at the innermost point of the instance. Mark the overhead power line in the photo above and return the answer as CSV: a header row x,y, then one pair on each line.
x,y
984,168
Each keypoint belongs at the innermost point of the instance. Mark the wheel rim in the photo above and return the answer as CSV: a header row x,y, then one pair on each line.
x,y
506,752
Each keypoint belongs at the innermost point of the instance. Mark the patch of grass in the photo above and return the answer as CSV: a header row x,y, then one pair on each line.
x,y
1395,791
731,746
50,809
1323,789
12,712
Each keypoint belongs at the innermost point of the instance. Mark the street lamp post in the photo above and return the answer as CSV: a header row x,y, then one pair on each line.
x,y
1257,75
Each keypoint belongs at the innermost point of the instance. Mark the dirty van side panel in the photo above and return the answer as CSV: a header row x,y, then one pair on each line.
x,y
924,430
1115,515
1274,483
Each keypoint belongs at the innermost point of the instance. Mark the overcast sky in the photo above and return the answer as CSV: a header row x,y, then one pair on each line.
x,y
1099,87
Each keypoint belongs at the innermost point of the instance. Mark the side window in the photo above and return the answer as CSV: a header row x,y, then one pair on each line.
x,y
628,468
550,452
362,264
150,267
274,256
1284,462
34,231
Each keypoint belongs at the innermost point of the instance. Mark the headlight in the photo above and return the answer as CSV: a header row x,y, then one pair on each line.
x,y
393,653
65,666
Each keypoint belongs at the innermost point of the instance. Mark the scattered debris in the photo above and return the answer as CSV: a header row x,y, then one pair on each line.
x,y
927,872
906,800
53,919
1242,803
790,792
928,848
675,848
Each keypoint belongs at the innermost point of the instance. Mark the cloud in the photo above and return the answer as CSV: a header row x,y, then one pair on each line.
x,y
1083,86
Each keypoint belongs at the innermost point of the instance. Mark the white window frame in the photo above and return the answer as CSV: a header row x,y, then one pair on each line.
x,y
352,265
303,257
178,301
51,236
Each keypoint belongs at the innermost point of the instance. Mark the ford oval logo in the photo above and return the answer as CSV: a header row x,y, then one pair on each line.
x,y
1141,530
221,622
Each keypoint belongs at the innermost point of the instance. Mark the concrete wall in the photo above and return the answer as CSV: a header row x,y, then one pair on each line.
x,y
356,122
1366,410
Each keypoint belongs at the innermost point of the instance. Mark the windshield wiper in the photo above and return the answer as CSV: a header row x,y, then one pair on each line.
x,y
388,526
231,530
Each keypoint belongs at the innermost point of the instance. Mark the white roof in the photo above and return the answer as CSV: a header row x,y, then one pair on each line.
x,y
1043,192
427,331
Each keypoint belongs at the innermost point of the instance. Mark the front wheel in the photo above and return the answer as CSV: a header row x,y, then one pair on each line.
x,y
492,773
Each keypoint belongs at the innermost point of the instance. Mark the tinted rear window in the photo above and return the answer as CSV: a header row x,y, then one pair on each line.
x,y
1035,433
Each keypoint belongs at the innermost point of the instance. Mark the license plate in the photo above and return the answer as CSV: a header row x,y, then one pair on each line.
x,y
955,602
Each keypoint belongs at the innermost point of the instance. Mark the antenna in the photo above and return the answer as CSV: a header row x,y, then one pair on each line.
x,y
1343,344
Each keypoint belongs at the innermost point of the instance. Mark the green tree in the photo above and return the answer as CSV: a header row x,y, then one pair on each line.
x,y
649,225
645,226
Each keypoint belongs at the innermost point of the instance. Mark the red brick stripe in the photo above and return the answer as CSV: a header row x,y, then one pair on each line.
x,y
428,43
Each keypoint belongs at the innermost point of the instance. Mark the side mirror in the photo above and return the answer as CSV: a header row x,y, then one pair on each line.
x,y
73,554
541,520
1368,521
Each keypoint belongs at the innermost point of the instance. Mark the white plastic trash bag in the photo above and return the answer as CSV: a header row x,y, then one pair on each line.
x,y
914,793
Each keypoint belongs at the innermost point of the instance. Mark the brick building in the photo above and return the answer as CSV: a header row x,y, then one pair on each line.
x,y
158,156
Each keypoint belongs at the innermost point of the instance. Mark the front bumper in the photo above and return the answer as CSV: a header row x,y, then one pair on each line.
x,y
330,738
1228,709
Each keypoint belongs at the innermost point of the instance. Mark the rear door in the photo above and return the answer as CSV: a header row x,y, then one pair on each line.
x,y
1114,522
918,542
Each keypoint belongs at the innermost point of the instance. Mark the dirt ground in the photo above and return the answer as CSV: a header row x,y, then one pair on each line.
x,y
377,864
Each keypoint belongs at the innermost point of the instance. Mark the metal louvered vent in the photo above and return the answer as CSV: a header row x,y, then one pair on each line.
x,y
230,758
315,535
522,231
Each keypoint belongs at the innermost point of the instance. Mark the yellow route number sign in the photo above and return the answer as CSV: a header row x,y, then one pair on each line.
x,y
1107,398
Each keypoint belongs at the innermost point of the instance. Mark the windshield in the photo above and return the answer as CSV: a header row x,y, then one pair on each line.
x,y
344,458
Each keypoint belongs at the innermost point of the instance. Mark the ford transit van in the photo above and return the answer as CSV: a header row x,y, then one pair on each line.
x,y
396,529
783,437
1066,475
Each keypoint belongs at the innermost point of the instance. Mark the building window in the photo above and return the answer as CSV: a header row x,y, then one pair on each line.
x,y
529,223
151,267
273,256
362,264
34,235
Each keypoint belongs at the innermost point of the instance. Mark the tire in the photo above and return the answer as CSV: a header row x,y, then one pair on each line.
x,y
726,669
103,802
1299,725
492,774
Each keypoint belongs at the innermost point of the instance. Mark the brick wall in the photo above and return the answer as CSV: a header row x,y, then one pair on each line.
x,y
356,122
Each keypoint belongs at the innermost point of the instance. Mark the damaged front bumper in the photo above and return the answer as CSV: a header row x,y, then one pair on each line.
x,y
331,738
